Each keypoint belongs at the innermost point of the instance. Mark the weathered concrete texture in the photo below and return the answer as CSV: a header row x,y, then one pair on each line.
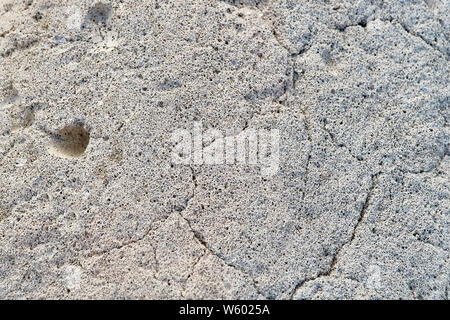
x,y
91,205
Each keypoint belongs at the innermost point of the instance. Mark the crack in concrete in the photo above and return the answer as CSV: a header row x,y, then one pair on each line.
x,y
130,242
199,238
339,145
308,161
416,35
432,10
362,214
432,245
18,46
362,23
183,291
432,168
121,246
195,185
292,85
446,293
155,274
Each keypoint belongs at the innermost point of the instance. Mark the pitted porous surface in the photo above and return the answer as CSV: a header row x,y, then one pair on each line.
x,y
355,94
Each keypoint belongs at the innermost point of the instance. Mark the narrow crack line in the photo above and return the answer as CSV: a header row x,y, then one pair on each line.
x,y
432,168
119,247
307,124
277,38
292,85
158,224
198,237
155,274
17,46
337,144
363,24
432,245
293,77
308,161
367,202
446,293
362,214
194,181
416,35
194,188
269,25
183,291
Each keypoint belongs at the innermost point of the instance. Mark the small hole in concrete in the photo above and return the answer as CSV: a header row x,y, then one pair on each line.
x,y
70,142
100,13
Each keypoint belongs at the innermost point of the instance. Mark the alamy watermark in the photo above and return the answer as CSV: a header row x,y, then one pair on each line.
x,y
253,147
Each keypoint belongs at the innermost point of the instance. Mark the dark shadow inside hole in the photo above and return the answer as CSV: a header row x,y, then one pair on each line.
x,y
99,13
70,142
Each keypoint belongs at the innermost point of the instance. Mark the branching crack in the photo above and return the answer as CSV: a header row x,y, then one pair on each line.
x,y
293,77
339,145
363,24
199,238
291,85
201,241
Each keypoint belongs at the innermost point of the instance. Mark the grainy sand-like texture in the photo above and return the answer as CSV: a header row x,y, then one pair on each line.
x,y
95,204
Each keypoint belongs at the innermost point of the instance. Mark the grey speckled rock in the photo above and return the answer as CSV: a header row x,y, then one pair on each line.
x,y
92,204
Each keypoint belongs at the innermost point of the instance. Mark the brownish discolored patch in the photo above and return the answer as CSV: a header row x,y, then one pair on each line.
x,y
70,142
3,214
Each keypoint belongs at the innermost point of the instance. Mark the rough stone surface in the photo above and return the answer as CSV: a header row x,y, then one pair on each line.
x,y
91,205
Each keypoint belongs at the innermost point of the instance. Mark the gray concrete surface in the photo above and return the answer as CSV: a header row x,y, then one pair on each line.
x,y
92,205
